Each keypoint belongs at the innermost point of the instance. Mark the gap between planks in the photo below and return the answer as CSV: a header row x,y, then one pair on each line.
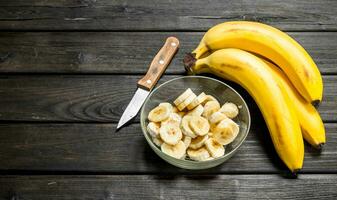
x,y
284,173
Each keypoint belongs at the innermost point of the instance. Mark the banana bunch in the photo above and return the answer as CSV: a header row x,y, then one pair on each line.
x,y
277,72
196,128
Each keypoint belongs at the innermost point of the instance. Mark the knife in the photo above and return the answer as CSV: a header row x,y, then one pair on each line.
x,y
145,84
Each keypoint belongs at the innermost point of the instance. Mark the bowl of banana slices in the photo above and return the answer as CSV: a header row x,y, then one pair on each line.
x,y
195,122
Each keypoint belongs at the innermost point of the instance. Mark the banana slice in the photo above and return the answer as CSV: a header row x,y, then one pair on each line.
x,y
187,140
216,117
198,142
212,127
210,158
197,101
209,98
175,109
230,110
183,97
199,125
166,104
160,113
197,111
198,154
185,127
181,114
153,129
170,133
210,108
157,141
187,101
174,118
214,148
177,151
226,131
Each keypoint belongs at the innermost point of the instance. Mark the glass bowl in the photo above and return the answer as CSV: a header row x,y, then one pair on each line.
x,y
170,90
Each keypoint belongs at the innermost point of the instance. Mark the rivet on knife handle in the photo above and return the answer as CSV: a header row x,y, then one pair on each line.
x,y
159,63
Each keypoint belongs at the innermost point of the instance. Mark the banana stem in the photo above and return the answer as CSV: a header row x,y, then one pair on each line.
x,y
320,146
316,103
189,62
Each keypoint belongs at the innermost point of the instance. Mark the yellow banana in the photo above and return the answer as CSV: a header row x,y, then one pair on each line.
x,y
270,43
310,121
256,77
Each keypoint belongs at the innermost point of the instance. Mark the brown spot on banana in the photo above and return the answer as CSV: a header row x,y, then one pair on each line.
x,y
278,127
306,73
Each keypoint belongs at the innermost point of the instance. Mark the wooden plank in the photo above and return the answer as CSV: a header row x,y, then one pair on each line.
x,y
162,15
97,148
120,52
167,187
95,98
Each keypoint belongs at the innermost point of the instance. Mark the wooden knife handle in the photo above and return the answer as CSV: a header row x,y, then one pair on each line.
x,y
159,63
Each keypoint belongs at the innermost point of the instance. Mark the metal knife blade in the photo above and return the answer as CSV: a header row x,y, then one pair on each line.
x,y
145,85
134,106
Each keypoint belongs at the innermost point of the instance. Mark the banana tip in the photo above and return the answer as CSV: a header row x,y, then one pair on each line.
x,y
189,61
294,173
320,146
316,103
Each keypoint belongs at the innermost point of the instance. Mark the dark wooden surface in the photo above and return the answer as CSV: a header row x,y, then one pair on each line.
x,y
95,148
163,15
122,52
94,98
168,187
68,69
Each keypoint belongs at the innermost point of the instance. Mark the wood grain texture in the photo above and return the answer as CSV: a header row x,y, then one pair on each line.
x,y
95,98
98,148
163,15
122,52
168,187
62,120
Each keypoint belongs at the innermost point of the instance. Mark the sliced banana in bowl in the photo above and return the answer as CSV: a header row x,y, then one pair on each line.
x,y
186,102
199,125
183,96
160,113
170,133
187,140
192,131
157,141
198,142
196,111
197,101
210,108
153,129
185,127
200,154
230,110
214,148
177,151
192,126
174,118
216,117
226,131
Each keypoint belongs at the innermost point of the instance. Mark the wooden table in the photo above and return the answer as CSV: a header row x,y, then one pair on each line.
x,y
68,69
